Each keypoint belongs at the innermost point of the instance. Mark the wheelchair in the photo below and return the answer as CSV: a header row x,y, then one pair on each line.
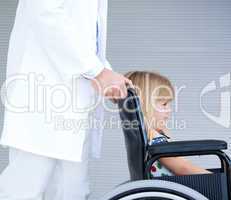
x,y
141,156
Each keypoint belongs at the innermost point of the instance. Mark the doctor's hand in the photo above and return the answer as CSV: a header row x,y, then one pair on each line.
x,y
111,85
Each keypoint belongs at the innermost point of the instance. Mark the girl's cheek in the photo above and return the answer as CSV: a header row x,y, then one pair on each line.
x,y
159,109
160,116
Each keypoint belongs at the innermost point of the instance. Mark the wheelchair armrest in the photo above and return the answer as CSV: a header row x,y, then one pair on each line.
x,y
191,147
187,147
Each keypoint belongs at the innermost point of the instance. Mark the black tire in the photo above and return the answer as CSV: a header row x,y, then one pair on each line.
x,y
153,190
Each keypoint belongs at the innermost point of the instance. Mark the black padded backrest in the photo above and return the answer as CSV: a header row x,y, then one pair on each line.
x,y
134,133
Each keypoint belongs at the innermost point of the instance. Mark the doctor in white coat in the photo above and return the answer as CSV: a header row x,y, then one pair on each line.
x,y
56,61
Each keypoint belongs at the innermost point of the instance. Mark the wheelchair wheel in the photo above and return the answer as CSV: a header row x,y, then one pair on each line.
x,y
153,190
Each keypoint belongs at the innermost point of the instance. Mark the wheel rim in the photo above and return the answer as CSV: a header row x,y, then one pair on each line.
x,y
156,195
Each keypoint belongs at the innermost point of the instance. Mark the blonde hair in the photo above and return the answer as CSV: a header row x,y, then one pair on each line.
x,y
149,85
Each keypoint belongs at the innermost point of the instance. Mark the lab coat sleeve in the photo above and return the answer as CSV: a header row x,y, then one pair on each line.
x,y
63,42
102,21
107,64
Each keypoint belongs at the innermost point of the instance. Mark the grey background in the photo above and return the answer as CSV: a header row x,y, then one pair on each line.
x,y
187,40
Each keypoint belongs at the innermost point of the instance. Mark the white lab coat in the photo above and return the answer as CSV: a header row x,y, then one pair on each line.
x,y
56,39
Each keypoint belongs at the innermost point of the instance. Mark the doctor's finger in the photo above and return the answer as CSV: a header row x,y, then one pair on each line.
x,y
116,92
111,96
123,90
108,92
128,82
120,92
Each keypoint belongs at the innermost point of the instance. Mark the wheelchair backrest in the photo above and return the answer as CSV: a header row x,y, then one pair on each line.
x,y
134,133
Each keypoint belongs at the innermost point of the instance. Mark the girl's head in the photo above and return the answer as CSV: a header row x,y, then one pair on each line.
x,y
156,93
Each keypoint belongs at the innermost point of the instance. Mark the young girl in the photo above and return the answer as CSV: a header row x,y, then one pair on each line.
x,y
156,94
